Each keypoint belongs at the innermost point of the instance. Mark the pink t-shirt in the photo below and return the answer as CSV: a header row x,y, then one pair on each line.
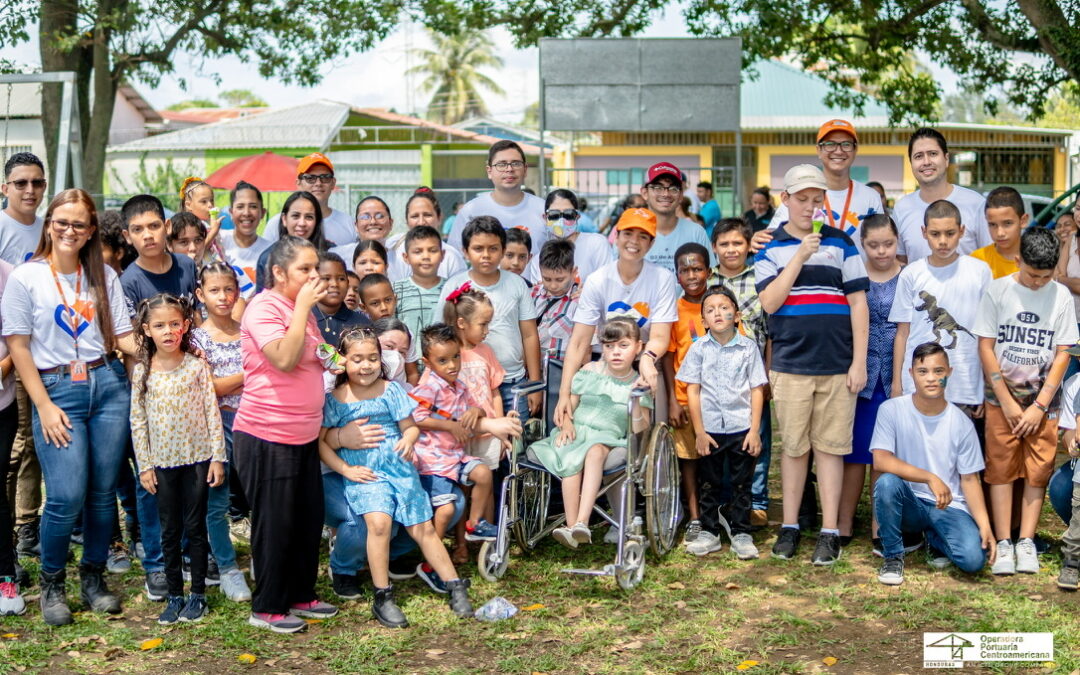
x,y
481,372
277,406
7,394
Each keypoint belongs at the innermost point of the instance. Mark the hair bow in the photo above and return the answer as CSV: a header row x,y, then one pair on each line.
x,y
456,294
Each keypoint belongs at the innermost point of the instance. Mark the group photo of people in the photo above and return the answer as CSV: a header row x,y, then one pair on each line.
x,y
251,400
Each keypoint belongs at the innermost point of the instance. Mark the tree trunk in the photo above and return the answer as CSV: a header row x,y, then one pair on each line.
x,y
58,18
99,117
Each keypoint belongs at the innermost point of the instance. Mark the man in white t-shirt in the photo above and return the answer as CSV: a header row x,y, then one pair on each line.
x,y
929,155
315,174
507,202
662,190
20,231
929,458
847,202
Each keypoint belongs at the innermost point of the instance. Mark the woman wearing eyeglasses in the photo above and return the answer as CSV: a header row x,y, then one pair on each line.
x,y
422,209
315,175
63,317
591,250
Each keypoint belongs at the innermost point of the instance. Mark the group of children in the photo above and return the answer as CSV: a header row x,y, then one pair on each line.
x,y
424,343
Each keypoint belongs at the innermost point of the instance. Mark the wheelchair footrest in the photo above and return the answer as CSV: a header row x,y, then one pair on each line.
x,y
608,571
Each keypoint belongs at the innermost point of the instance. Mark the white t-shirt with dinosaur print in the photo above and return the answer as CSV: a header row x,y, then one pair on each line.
x,y
941,304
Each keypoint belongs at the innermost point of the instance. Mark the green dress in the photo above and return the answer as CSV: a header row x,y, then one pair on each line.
x,y
601,417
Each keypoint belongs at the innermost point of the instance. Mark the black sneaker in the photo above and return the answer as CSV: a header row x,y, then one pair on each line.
x,y
195,609
827,550
913,541
787,543
891,572
95,593
403,568
877,550
459,598
157,587
29,544
213,574
845,540
347,587
77,537
386,610
1069,578
171,614
22,577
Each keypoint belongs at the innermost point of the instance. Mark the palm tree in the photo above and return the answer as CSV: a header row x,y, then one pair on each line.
x,y
452,70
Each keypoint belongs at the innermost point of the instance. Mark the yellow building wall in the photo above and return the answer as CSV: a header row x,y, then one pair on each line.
x,y
660,152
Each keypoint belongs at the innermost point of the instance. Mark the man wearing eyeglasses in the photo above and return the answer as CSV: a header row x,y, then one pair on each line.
x,y
512,207
847,202
315,174
662,191
23,188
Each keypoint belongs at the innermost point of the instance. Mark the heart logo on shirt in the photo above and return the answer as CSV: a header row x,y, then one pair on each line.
x,y
246,277
638,312
83,314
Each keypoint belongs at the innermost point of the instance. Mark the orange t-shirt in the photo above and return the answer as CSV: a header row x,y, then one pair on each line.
x,y
1000,266
686,330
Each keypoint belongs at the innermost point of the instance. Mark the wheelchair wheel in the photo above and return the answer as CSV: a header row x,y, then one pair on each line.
x,y
662,488
530,493
632,570
492,562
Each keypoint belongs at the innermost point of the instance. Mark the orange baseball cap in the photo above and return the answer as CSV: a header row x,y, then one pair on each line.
x,y
837,125
311,160
642,219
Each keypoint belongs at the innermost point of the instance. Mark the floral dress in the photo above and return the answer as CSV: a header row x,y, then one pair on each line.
x,y
396,491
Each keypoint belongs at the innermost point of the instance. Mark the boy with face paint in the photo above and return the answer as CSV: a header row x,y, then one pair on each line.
x,y
1025,324
692,272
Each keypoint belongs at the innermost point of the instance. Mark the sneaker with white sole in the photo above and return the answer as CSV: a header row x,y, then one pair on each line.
x,y
582,534
742,545
234,585
891,572
1005,563
612,535
935,558
693,529
704,544
565,536
279,623
315,609
11,601
1027,557
118,561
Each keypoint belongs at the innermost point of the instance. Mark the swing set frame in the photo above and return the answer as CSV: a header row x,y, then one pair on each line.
x,y
69,147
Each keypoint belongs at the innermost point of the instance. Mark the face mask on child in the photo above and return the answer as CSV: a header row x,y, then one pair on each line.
x,y
560,225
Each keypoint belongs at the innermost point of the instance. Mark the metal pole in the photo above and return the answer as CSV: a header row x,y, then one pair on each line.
x,y
76,137
63,148
737,188
543,162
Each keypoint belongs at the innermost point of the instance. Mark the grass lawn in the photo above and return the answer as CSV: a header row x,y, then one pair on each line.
x,y
689,615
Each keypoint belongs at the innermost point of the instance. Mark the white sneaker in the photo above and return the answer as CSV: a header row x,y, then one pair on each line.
x,y
612,535
234,586
581,533
1027,558
1006,559
239,530
705,543
565,536
742,545
692,531
11,601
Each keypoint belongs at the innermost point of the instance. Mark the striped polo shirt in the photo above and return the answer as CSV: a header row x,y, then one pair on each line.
x,y
811,332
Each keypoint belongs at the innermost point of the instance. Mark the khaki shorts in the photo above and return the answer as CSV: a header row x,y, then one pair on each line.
x,y
487,449
813,411
685,441
1009,457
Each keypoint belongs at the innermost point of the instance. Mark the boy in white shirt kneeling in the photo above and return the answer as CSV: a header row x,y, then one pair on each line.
x,y
929,458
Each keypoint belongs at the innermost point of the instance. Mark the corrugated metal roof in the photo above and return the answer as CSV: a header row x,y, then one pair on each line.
x,y
309,125
25,100
782,91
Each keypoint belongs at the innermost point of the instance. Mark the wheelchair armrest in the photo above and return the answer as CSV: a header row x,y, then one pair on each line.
x,y
525,388
638,392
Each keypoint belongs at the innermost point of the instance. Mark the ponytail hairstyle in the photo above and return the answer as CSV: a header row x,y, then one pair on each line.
x,y
93,265
218,267
371,245
424,192
190,185
244,185
878,220
316,237
284,252
462,303
146,346
359,334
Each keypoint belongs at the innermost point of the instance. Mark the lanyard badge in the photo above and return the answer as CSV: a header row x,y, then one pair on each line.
x,y
77,367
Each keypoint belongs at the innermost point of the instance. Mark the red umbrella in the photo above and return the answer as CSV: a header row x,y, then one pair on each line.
x,y
268,172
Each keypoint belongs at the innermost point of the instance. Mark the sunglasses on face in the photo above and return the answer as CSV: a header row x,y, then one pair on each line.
x,y
569,214
37,183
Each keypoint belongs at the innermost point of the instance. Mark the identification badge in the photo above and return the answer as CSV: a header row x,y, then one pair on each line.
x,y
78,371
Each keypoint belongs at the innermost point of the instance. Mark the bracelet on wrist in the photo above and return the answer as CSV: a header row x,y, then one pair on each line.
x,y
1041,407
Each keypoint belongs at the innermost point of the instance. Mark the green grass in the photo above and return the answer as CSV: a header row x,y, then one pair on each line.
x,y
685,617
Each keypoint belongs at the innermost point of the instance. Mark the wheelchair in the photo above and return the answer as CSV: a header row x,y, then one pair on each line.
x,y
650,470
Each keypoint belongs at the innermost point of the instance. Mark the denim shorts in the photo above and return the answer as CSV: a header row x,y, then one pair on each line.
x,y
443,490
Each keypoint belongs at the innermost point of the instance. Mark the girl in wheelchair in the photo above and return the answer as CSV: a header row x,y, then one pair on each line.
x,y
599,424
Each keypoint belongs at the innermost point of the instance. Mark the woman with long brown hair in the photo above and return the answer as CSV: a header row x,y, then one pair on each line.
x,y
63,317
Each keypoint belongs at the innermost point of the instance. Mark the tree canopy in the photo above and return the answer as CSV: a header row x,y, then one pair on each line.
x,y
452,70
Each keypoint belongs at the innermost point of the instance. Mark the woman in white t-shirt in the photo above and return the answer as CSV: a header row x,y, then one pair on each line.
x,y
63,317
591,250
421,209
629,286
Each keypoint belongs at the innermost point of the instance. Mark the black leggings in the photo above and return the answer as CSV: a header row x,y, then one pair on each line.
x,y
9,424
181,499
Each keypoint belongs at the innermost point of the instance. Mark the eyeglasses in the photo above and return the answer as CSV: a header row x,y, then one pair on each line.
x,y
364,217
830,146
669,189
569,214
63,226
37,183
312,178
507,166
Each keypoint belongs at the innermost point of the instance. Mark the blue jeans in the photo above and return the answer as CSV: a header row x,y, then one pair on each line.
x,y
759,487
1059,491
217,506
83,475
149,528
508,398
949,530
350,547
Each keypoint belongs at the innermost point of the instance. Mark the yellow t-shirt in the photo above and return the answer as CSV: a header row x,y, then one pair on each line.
x,y
1000,266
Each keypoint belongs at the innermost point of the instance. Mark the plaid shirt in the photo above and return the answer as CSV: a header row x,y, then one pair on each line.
x,y
754,322
555,318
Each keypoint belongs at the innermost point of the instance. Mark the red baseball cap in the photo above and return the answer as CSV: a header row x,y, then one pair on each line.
x,y
663,169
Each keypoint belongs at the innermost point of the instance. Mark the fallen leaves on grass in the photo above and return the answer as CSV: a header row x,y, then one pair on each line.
x,y
732,586
434,653
152,643
573,613
677,586
746,665
829,660
246,658
628,646
10,636
533,607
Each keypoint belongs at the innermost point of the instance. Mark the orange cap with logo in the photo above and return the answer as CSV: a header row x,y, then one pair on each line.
x,y
837,125
642,219
311,160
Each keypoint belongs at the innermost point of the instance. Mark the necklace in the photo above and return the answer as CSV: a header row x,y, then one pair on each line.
x,y
621,378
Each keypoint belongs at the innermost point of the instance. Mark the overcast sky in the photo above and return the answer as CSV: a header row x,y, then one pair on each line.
x,y
370,79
